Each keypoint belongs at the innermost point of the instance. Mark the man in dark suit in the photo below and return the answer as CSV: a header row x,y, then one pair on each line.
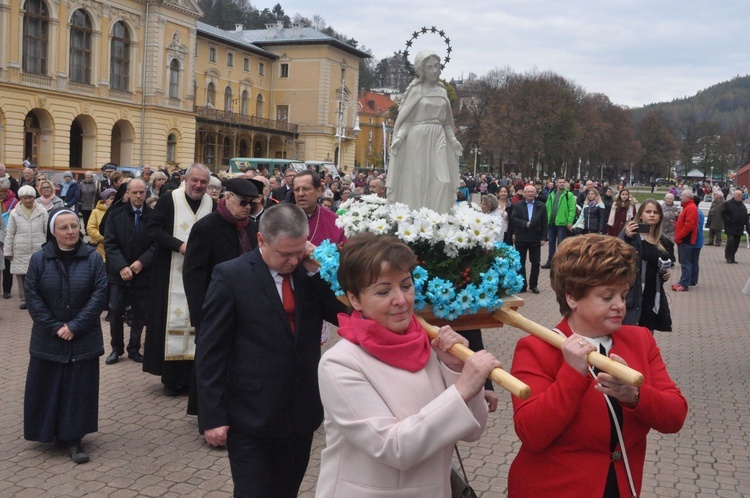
x,y
225,234
258,353
130,255
285,193
529,222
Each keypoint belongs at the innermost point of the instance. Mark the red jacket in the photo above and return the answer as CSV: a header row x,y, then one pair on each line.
x,y
687,223
564,426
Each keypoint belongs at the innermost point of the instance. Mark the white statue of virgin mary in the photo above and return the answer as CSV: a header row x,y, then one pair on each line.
x,y
423,169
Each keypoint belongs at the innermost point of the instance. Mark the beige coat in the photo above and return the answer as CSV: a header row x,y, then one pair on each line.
x,y
25,236
389,432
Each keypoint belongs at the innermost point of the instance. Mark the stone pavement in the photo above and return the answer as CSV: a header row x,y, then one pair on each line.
x,y
148,446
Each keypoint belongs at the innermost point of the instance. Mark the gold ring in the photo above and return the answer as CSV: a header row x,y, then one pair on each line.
x,y
580,343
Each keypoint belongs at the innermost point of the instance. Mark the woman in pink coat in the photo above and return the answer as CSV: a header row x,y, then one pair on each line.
x,y
395,405
569,443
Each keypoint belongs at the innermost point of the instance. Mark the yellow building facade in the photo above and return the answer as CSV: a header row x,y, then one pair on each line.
x,y
84,83
278,93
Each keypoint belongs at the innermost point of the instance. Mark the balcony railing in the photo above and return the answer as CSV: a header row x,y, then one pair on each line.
x,y
37,79
230,117
120,94
80,88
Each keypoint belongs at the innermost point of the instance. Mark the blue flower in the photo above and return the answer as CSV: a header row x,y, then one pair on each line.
x,y
420,276
465,298
440,291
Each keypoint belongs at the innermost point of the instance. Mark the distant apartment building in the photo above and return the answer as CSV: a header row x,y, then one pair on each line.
x,y
375,127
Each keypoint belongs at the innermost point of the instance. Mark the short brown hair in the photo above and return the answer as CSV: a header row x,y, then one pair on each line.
x,y
587,261
363,256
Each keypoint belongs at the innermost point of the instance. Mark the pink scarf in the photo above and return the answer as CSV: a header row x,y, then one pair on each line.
x,y
408,351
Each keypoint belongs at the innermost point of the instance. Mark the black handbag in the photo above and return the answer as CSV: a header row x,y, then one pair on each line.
x,y
460,487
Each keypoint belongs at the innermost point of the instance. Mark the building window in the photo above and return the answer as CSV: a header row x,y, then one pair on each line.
x,y
246,64
284,70
228,99
174,79
120,58
261,68
171,148
282,113
210,95
209,150
212,54
80,48
35,34
259,106
230,60
369,137
243,105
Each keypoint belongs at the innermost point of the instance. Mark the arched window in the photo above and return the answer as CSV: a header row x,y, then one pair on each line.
x,y
174,79
119,72
228,98
210,95
80,47
171,148
243,105
35,37
259,106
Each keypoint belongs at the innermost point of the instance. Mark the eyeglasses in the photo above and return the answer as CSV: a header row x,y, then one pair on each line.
x,y
213,187
244,202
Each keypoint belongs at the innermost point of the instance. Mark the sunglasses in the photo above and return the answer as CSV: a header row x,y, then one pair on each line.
x,y
243,202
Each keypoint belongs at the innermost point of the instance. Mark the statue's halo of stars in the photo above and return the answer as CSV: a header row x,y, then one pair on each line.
x,y
417,34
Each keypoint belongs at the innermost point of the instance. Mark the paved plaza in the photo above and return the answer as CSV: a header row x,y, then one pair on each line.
x,y
148,446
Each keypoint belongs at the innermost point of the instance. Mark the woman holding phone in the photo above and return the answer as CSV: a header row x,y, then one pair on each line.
x,y
647,303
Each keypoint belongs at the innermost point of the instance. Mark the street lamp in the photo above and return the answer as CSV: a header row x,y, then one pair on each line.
x,y
476,153
712,175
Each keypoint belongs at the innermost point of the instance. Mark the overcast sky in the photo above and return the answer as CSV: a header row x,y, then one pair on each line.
x,y
635,51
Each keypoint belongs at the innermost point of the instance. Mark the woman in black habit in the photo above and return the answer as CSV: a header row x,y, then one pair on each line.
x,y
65,292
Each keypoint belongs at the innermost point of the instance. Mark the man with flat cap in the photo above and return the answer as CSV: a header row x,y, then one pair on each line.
x,y
225,234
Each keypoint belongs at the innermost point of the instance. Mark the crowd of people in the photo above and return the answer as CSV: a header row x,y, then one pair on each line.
x,y
174,254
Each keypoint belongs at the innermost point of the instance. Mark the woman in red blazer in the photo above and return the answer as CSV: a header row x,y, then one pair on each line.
x,y
570,447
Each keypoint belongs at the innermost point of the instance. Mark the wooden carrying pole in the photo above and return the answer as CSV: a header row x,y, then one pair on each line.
x,y
498,375
618,370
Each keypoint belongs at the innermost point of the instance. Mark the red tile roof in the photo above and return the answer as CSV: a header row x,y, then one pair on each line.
x,y
374,104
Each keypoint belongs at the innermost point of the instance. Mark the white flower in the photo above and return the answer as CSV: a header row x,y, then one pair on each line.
x,y
425,229
379,226
400,212
408,232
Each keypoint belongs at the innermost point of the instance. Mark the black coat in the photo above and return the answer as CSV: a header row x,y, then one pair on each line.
x,y
74,297
735,217
594,220
519,216
253,373
282,194
212,240
124,246
634,300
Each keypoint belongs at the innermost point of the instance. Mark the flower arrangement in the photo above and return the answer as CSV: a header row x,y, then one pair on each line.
x,y
462,267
